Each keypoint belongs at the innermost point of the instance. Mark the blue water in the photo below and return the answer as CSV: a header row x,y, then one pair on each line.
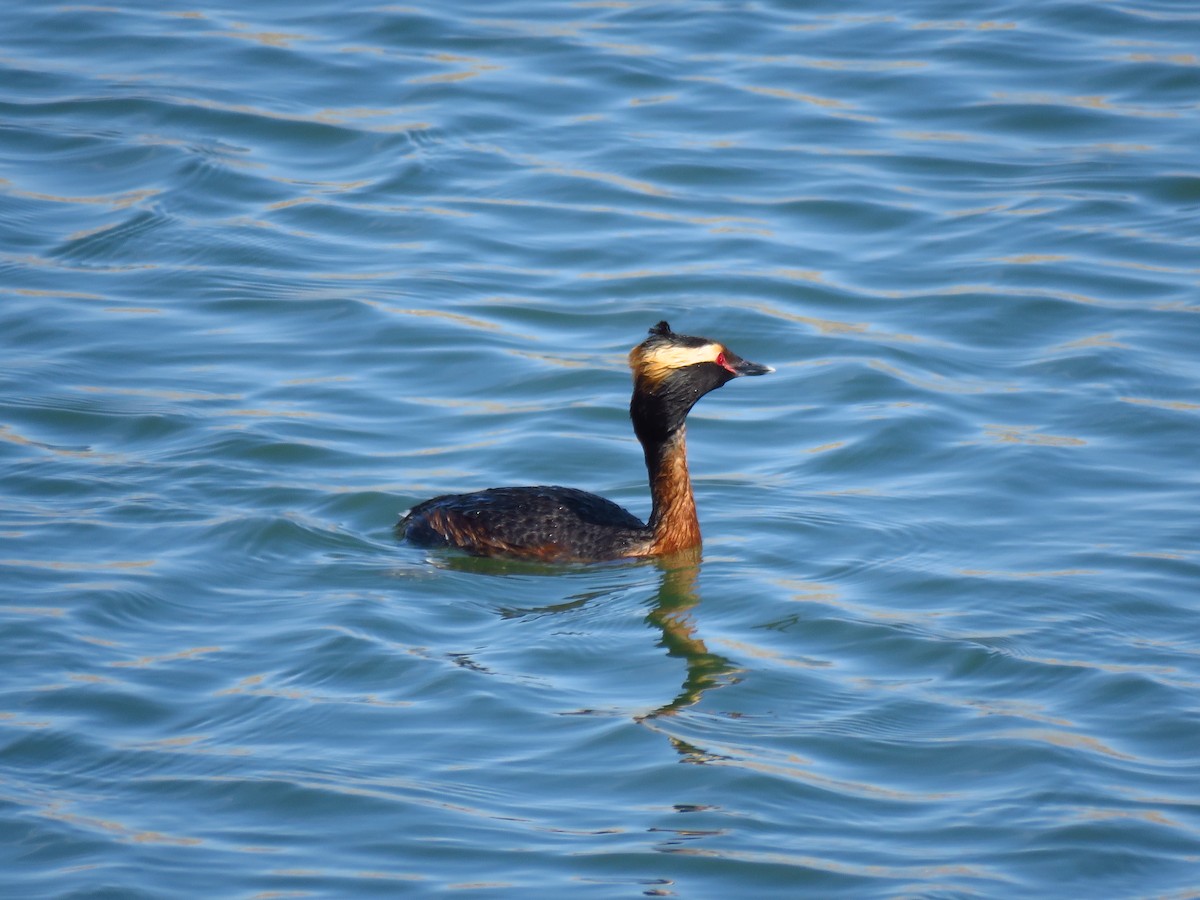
x,y
272,273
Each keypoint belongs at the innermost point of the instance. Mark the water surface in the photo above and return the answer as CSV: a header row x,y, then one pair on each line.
x,y
269,276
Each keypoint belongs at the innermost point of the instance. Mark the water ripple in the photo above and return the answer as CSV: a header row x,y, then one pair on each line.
x,y
271,275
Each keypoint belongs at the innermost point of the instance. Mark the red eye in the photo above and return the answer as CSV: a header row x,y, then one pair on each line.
x,y
721,359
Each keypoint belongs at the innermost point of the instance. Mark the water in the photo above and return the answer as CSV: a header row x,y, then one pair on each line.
x,y
270,275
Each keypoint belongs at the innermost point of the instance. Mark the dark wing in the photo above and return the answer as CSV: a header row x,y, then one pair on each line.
x,y
543,522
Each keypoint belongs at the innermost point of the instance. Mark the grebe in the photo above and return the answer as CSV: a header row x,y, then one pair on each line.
x,y
558,524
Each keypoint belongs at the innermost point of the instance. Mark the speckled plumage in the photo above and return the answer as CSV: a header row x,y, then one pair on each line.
x,y
559,524
546,522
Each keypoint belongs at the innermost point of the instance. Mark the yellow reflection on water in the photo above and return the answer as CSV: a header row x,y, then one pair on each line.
x,y
1084,101
164,394
78,566
448,77
835,107
555,168
122,832
34,611
1175,59
1027,434
144,661
115,201
1183,405
948,136
963,25
1048,573
256,686
267,38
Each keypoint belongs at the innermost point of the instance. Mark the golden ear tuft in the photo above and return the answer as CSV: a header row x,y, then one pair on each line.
x,y
657,362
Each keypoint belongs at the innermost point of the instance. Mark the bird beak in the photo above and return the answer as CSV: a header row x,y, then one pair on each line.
x,y
745,367
739,366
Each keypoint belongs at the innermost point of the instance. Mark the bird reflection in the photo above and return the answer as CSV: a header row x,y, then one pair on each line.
x,y
677,595
671,615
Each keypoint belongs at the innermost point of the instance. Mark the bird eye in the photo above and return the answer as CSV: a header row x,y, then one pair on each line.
x,y
721,359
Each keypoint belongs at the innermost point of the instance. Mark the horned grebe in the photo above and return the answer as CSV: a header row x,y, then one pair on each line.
x,y
558,524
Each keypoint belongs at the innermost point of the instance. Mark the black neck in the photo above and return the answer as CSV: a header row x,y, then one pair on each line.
x,y
657,415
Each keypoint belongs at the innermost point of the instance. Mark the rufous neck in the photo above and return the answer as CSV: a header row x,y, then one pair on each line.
x,y
673,518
